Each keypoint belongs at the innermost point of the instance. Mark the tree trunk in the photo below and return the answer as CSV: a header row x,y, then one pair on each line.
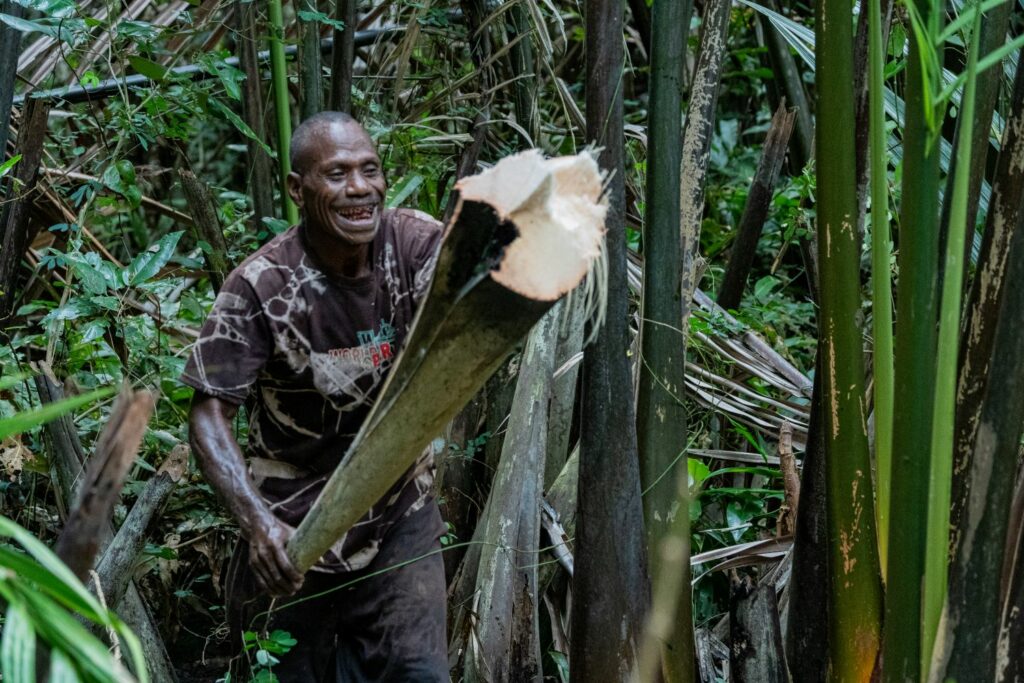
x,y
661,415
985,299
310,76
118,444
697,136
756,651
18,231
343,55
118,560
807,630
207,226
916,347
10,39
755,211
260,178
855,590
507,643
610,589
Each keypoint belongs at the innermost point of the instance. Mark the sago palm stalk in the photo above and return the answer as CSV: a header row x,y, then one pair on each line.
x,y
855,587
916,316
661,416
282,107
941,471
881,278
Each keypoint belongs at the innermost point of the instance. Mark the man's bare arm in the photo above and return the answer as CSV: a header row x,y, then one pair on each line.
x,y
221,461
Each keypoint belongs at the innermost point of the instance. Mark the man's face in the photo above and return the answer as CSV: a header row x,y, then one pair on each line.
x,y
341,187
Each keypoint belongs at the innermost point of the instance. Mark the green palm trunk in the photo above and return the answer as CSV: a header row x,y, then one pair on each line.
x,y
855,590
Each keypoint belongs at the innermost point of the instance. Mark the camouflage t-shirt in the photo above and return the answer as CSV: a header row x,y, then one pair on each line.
x,y
308,352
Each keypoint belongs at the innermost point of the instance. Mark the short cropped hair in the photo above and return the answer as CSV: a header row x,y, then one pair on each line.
x,y
303,135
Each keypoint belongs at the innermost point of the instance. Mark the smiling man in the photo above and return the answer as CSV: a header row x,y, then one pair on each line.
x,y
304,333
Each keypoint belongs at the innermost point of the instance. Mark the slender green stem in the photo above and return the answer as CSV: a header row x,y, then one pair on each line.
x,y
881,280
941,471
855,595
282,107
661,415
915,351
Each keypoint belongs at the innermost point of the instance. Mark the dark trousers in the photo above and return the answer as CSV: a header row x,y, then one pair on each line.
x,y
386,624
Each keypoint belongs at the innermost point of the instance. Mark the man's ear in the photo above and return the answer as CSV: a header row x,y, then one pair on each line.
x,y
295,188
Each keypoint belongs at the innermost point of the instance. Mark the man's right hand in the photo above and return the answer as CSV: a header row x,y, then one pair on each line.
x,y
268,557
220,459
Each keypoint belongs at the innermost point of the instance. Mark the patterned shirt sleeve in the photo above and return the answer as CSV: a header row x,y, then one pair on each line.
x,y
233,346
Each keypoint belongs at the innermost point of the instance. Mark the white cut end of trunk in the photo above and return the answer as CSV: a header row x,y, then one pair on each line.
x,y
557,207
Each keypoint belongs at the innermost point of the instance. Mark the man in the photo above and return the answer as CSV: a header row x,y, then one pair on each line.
x,y
304,332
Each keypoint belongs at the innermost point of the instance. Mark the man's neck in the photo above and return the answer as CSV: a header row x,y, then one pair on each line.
x,y
339,258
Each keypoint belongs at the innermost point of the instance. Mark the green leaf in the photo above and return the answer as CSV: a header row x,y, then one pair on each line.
x,y
320,17
50,8
9,164
21,422
241,125
61,669
28,26
149,68
148,263
18,648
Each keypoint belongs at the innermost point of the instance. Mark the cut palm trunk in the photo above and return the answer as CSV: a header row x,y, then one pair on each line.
x,y
506,644
855,592
524,233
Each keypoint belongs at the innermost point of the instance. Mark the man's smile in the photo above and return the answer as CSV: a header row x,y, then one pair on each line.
x,y
361,216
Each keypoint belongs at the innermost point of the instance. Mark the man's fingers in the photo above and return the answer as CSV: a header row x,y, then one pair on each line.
x,y
286,567
265,566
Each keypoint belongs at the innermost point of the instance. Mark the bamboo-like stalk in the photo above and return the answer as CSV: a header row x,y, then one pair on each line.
x,y
941,470
756,208
507,645
524,85
282,107
342,56
855,586
260,176
310,76
10,39
697,135
994,25
881,279
477,309
610,583
661,415
985,298
914,388
970,648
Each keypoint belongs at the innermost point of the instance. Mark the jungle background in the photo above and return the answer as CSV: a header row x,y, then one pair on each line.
x,y
140,160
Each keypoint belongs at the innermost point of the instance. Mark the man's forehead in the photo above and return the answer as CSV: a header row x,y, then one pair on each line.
x,y
333,139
